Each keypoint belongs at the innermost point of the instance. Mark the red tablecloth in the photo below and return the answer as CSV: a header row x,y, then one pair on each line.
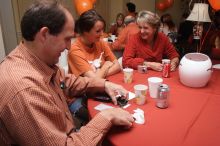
x,y
192,118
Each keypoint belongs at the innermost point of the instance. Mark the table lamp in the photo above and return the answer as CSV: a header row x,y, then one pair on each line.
x,y
199,14
195,68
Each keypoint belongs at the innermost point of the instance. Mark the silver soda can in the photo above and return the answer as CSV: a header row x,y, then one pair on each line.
x,y
163,94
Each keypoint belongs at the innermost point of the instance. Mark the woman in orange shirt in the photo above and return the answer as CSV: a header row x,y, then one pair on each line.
x,y
89,55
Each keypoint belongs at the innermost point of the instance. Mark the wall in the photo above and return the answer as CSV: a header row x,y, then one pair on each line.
x,y
2,47
13,10
175,10
8,25
101,6
144,5
116,6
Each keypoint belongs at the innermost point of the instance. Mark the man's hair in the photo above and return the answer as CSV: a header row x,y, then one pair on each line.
x,y
128,19
43,13
131,7
87,21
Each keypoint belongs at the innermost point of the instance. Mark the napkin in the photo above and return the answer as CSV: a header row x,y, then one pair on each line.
x,y
139,116
131,95
102,106
216,66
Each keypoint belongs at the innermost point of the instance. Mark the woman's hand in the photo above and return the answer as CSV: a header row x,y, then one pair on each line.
x,y
174,63
154,65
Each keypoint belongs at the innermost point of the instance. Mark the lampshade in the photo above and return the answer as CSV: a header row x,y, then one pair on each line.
x,y
199,13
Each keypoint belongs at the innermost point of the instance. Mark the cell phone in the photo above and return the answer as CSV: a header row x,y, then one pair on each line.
x,y
121,101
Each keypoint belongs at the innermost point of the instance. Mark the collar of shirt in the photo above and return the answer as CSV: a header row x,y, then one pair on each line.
x,y
46,70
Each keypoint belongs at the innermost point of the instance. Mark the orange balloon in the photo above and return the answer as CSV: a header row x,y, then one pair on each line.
x,y
82,6
93,1
215,4
160,6
168,3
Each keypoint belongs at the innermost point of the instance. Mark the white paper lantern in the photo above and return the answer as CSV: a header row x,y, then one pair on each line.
x,y
195,69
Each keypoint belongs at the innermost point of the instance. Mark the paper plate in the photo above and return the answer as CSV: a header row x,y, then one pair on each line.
x,y
216,66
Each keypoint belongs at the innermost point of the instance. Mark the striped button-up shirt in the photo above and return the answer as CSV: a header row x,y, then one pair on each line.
x,y
33,107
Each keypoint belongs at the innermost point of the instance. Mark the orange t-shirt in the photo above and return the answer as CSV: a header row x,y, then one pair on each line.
x,y
80,55
130,29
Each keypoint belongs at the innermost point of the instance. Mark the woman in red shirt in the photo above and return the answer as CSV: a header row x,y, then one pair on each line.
x,y
149,47
118,25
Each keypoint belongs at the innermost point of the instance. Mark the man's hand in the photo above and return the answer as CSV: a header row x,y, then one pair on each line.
x,y
118,116
113,89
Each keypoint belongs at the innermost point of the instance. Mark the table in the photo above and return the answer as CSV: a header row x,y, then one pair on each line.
x,y
192,118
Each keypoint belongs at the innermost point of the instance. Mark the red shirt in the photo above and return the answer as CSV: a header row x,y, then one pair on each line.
x,y
138,50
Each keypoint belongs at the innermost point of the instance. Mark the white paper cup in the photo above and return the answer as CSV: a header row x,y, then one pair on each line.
x,y
113,37
128,75
140,93
105,39
153,83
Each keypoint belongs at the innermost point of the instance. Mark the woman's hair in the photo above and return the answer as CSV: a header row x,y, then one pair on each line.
x,y
167,19
87,21
149,17
121,16
43,14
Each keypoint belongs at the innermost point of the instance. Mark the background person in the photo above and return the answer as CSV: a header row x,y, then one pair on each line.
x,y
118,25
131,9
89,55
210,42
130,29
168,27
32,104
149,46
